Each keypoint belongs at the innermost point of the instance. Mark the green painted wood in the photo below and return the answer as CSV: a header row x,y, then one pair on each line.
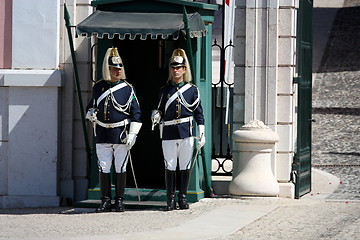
x,y
198,5
302,159
169,6
78,87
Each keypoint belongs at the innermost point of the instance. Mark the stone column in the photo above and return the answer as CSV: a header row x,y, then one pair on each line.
x,y
265,59
252,174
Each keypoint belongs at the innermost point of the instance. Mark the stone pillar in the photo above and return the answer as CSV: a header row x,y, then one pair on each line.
x,y
265,59
252,174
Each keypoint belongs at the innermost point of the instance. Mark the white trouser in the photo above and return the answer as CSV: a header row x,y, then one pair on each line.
x,y
106,152
181,149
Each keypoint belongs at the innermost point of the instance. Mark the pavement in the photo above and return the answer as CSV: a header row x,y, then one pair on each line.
x,y
314,216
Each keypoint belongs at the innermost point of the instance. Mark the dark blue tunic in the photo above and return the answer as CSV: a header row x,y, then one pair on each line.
x,y
112,115
176,111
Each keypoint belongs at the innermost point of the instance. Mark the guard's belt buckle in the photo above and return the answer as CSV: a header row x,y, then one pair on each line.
x,y
178,121
114,125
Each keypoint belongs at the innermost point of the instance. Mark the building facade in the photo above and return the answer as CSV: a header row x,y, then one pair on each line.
x,y
43,155
30,108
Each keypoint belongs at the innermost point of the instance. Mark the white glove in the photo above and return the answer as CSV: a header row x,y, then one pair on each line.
x,y
134,130
91,114
201,141
155,118
131,139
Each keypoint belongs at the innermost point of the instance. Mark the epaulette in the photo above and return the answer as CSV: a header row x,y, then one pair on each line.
x,y
98,81
192,84
127,83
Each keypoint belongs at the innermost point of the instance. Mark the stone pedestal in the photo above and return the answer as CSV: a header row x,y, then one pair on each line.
x,y
252,174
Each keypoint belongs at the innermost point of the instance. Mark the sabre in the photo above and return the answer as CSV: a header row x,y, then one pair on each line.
x,y
153,126
155,118
92,117
195,157
94,128
133,172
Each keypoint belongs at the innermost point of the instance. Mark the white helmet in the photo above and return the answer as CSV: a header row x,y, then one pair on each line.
x,y
112,59
179,58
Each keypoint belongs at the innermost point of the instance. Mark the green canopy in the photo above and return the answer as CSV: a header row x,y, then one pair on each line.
x,y
133,24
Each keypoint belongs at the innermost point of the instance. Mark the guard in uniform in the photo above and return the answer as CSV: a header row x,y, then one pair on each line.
x,y
115,113
179,105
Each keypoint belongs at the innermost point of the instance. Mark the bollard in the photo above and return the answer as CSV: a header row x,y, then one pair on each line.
x,y
252,174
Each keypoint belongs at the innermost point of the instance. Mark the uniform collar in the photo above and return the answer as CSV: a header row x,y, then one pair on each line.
x,y
178,84
113,83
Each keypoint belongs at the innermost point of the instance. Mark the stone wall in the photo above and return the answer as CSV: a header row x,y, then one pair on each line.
x,y
29,109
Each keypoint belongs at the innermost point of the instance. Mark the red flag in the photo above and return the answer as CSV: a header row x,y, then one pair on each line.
x,y
227,2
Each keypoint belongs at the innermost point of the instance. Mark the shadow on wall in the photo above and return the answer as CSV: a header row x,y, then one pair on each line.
x,y
336,45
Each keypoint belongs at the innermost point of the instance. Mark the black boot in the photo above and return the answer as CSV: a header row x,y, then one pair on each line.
x,y
105,188
120,190
184,183
170,190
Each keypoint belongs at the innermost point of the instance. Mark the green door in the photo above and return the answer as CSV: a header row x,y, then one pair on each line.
x,y
302,160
